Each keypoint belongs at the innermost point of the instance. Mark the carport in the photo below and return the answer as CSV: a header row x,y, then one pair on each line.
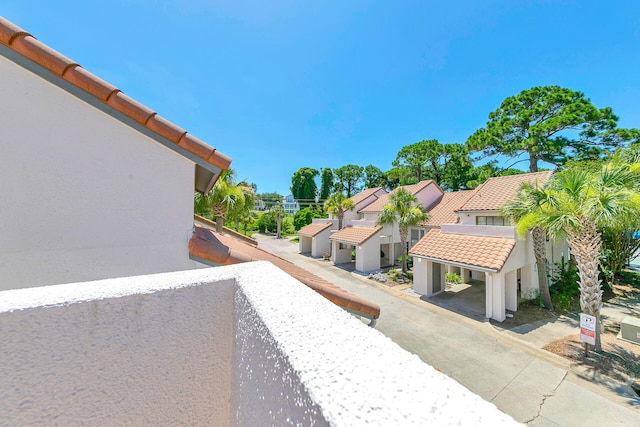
x,y
477,259
365,241
314,238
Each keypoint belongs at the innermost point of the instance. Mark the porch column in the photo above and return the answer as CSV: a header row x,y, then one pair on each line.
x,y
495,297
465,275
420,276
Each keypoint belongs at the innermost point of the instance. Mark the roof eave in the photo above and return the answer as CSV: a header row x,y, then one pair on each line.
x,y
457,264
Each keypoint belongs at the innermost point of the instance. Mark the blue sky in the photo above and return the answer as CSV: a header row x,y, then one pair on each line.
x,y
279,85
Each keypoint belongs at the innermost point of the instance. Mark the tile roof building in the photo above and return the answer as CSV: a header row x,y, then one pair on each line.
x,y
474,241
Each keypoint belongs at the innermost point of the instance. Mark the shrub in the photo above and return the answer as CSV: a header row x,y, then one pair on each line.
x,y
564,288
266,222
452,278
305,217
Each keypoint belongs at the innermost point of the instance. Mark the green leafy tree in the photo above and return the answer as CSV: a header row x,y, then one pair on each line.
x,y
202,204
348,179
531,197
447,164
247,219
224,197
242,209
337,205
404,210
414,157
305,217
373,177
326,184
398,176
453,167
550,124
303,184
579,203
266,222
480,174
278,213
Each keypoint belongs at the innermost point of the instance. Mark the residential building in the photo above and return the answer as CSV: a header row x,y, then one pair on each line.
x,y
290,205
259,205
369,245
482,246
314,238
109,316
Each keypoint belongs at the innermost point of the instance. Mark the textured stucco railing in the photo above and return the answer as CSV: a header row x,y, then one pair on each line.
x,y
238,345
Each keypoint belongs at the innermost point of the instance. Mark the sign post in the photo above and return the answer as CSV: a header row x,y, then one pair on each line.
x,y
587,331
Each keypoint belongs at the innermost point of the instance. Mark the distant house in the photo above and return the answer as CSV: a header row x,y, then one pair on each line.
x,y
468,236
259,205
376,246
291,206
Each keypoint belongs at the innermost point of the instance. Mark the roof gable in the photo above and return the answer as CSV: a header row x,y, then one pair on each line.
x,y
445,211
357,198
413,189
209,162
314,228
496,191
356,235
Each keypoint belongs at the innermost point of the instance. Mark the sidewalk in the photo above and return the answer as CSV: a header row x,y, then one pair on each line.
x,y
532,385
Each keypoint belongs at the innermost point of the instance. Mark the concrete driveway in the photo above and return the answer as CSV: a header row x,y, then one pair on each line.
x,y
533,386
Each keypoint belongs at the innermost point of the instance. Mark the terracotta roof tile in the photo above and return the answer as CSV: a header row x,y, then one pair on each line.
x,y
223,249
478,251
495,192
445,211
163,127
379,204
89,83
314,229
25,44
33,49
357,198
355,234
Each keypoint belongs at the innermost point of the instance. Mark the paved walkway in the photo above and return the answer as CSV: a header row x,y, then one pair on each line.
x,y
532,385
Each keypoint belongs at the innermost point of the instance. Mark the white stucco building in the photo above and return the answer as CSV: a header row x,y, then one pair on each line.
x,y
482,247
377,246
97,192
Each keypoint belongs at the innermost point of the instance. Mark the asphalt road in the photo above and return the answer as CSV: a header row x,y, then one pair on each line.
x,y
533,386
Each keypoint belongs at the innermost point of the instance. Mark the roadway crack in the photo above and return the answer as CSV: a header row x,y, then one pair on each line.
x,y
544,399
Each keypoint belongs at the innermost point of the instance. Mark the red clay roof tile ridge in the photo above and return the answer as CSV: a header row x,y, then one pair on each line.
x,y
28,46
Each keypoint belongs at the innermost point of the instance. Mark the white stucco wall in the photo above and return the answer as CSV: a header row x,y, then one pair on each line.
x,y
237,345
368,255
152,350
84,196
428,195
321,243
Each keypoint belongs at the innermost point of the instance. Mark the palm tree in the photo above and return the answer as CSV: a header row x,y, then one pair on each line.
x,y
278,213
580,202
246,220
402,209
224,198
337,205
530,197
242,210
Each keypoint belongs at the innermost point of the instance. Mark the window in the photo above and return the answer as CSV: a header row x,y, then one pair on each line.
x,y
490,220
